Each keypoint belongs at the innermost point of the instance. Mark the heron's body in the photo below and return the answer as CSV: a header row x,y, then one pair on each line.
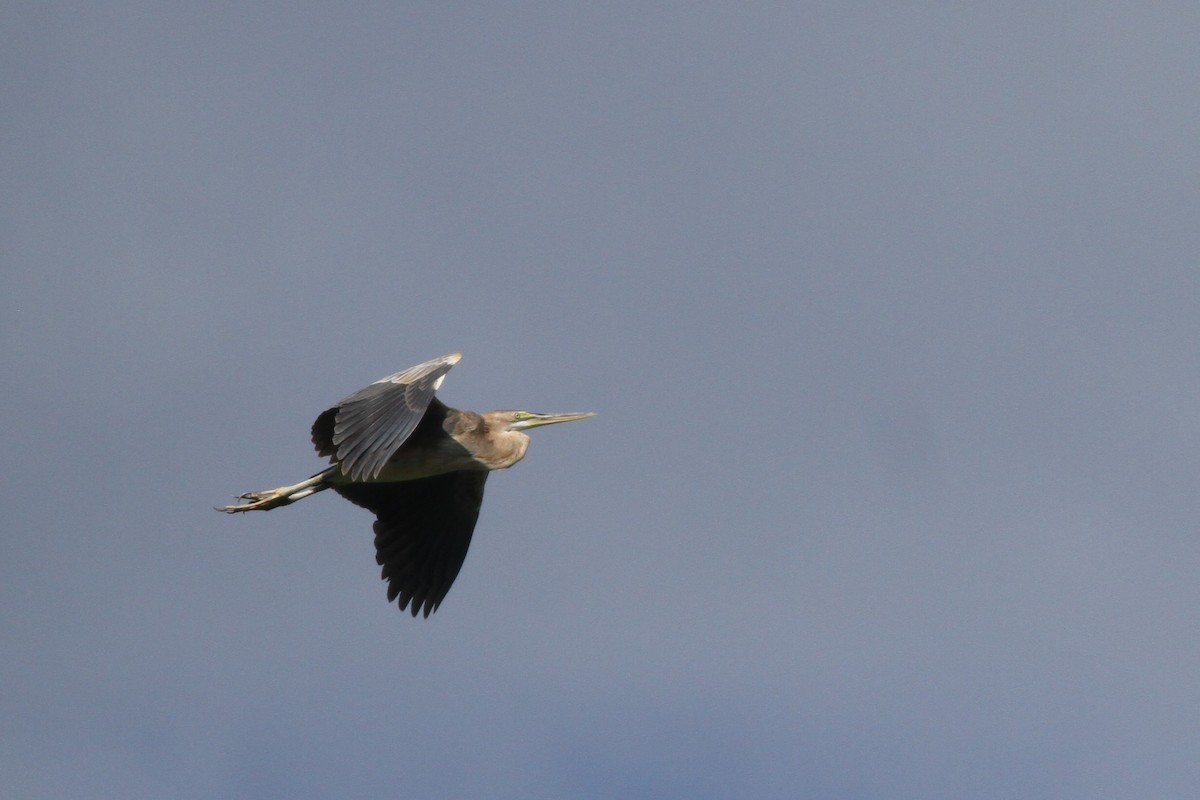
x,y
445,440
420,466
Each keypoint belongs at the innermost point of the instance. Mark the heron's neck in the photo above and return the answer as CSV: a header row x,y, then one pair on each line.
x,y
505,449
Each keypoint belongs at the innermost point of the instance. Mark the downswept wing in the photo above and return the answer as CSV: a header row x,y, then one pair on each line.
x,y
422,532
363,431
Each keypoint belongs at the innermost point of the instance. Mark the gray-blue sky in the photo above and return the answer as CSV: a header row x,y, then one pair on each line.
x,y
889,314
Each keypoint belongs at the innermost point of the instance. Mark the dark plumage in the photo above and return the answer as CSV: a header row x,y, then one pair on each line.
x,y
419,466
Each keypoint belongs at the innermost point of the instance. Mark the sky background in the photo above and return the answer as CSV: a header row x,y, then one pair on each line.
x,y
889,313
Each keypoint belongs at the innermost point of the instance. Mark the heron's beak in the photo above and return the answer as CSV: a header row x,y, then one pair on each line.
x,y
537,420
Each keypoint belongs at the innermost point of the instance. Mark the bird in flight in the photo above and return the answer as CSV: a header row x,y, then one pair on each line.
x,y
419,466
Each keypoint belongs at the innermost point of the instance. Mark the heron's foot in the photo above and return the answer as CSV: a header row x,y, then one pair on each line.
x,y
274,498
259,501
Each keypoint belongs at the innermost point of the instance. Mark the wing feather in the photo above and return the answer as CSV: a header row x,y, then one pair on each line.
x,y
363,431
422,531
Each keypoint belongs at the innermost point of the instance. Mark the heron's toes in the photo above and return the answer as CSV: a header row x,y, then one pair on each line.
x,y
257,501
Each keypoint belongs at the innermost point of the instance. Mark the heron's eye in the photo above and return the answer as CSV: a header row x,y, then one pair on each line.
x,y
520,415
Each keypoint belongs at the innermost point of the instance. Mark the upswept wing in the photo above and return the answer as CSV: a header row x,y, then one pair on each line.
x,y
363,431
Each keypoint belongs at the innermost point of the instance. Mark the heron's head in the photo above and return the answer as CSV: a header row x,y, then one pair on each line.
x,y
524,420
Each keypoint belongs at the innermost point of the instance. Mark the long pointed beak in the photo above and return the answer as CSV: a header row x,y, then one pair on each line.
x,y
549,419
